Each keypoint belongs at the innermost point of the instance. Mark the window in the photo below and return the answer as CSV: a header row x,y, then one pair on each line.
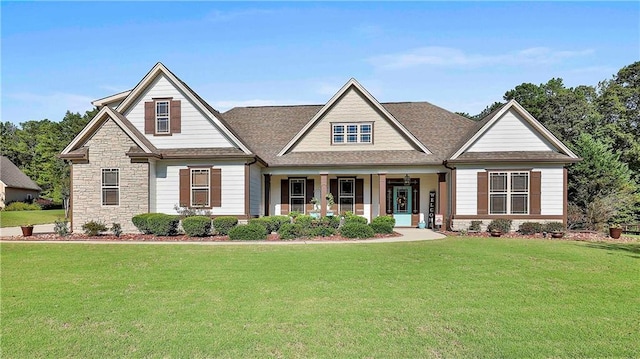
x,y
162,116
200,182
297,194
110,186
351,133
508,192
346,195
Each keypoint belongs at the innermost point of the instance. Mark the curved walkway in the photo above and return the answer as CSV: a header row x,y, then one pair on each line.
x,y
408,235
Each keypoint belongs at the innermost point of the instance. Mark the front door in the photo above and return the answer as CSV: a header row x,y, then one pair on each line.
x,y
402,205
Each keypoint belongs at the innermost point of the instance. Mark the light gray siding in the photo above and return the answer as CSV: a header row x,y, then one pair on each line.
x,y
255,195
510,133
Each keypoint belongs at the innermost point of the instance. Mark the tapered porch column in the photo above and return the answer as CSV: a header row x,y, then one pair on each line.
x,y
382,196
443,199
323,194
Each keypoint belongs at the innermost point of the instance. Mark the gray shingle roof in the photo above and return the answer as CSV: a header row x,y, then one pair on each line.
x,y
269,128
12,177
513,156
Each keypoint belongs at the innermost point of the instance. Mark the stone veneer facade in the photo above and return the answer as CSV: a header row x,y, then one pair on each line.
x,y
107,148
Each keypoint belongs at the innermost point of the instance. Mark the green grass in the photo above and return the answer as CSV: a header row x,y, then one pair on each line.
x,y
20,218
458,297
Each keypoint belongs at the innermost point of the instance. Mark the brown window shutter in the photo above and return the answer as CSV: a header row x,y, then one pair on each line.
x,y
185,185
309,195
333,188
149,117
216,187
175,113
483,193
284,196
359,196
534,193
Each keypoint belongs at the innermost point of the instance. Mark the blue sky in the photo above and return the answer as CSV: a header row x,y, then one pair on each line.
x,y
58,56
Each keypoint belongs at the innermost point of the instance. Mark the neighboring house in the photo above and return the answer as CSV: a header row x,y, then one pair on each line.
x,y
15,186
160,145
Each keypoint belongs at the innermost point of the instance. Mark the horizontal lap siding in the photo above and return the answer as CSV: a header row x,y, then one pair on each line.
x,y
353,107
467,191
256,190
167,186
510,133
196,130
552,191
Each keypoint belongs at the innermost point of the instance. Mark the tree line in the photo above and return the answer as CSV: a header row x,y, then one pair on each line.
x,y
601,124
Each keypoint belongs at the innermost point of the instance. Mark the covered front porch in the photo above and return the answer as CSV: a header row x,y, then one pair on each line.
x,y
407,194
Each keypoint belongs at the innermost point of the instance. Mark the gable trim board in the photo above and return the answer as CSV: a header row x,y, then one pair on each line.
x,y
434,142
352,83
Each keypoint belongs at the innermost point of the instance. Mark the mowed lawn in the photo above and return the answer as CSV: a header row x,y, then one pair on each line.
x,y
451,298
20,218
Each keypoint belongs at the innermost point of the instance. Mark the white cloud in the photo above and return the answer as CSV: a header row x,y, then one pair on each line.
x,y
452,57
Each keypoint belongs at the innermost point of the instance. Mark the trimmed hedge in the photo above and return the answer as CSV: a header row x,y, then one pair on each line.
x,y
291,231
383,224
554,227
501,224
197,226
223,224
323,231
356,230
330,221
161,224
266,222
278,221
352,218
140,221
530,228
304,220
248,232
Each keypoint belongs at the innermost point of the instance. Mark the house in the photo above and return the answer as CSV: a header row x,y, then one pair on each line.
x,y
15,186
160,145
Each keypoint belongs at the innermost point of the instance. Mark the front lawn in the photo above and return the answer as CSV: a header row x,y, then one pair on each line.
x,y
458,297
20,218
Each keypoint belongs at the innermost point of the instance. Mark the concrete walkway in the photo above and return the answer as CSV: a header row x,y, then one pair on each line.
x,y
408,235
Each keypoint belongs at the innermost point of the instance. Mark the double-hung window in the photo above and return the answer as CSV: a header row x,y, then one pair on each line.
x,y
297,194
200,187
346,195
162,116
110,186
352,133
508,192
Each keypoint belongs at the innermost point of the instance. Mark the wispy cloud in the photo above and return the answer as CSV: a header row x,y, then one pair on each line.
x,y
225,16
452,57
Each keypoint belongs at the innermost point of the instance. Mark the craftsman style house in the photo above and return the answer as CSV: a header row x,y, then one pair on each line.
x,y
160,146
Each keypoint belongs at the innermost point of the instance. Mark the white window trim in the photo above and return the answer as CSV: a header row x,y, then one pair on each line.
x,y
358,133
168,102
303,196
353,196
102,186
509,192
208,187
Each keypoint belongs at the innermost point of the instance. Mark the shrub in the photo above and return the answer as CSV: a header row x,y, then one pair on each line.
x,y
356,230
475,226
140,221
61,227
294,214
277,221
322,231
501,224
266,222
383,224
530,228
304,220
116,228
352,218
161,224
197,226
93,228
248,232
21,206
291,231
223,224
554,227
330,221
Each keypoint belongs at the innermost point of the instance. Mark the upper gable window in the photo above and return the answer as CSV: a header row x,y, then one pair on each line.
x,y
352,133
162,117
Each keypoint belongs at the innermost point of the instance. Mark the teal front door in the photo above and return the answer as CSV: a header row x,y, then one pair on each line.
x,y
402,205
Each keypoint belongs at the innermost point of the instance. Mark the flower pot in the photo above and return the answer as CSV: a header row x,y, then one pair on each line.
x,y
615,233
496,233
27,231
557,234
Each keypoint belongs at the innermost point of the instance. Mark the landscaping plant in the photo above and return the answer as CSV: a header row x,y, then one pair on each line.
x,y
248,232
197,226
223,224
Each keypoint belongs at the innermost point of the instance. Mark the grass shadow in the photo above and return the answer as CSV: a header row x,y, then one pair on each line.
x,y
626,247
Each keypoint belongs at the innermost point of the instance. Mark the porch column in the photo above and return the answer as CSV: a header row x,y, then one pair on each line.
x,y
443,198
383,194
323,194
267,193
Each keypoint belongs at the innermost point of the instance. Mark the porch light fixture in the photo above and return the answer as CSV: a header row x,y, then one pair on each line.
x,y
407,180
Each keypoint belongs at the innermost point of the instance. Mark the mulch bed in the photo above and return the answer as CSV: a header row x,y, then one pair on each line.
x,y
584,236
77,237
